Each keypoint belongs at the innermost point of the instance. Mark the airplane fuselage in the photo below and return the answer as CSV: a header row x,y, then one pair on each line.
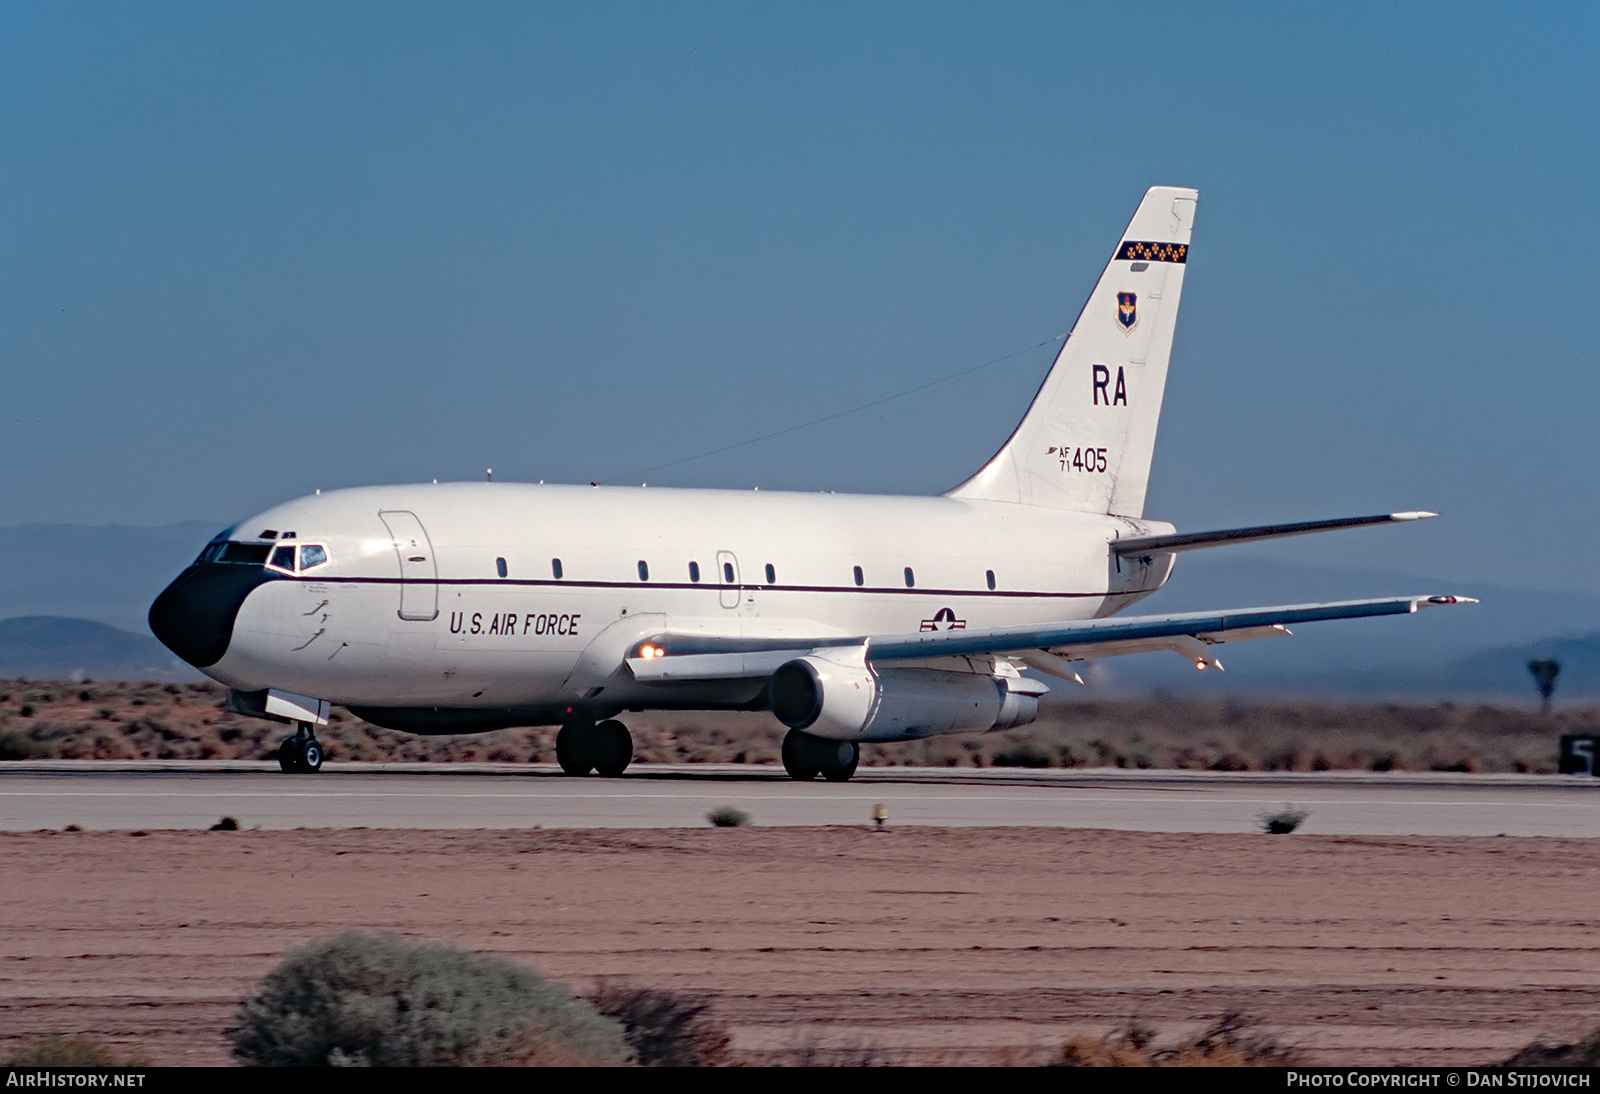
x,y
495,595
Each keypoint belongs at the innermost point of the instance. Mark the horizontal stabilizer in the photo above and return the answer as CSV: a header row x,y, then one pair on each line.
x,y
1193,541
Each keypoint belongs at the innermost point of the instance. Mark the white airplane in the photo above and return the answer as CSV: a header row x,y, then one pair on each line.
x,y
461,607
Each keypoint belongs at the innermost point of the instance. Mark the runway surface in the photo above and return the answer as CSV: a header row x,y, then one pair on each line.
x,y
195,794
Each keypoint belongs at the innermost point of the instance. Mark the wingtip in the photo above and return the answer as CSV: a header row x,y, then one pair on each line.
x,y
1413,514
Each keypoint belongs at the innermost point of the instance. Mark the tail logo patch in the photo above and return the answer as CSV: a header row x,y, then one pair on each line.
x,y
1139,251
1127,311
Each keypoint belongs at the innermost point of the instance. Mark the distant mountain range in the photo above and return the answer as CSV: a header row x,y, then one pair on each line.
x,y
78,596
69,582
110,572
49,647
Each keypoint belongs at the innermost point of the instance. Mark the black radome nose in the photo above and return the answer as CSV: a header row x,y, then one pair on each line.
x,y
194,616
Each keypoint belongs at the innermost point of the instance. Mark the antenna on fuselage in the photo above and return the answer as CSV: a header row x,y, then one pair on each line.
x,y
488,474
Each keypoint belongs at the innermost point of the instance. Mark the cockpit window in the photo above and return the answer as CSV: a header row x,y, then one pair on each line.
x,y
309,555
247,553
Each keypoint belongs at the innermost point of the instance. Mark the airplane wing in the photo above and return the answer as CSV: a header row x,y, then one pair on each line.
x,y
1047,647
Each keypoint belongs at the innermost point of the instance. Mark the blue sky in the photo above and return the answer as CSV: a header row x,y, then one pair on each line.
x,y
253,250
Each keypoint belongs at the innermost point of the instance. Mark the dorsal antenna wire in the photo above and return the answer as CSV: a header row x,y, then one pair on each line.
x,y
631,475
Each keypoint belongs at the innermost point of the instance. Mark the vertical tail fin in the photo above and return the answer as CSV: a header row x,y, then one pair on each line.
x,y
1085,443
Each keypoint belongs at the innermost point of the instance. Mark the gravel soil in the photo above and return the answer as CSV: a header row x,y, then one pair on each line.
x,y
916,945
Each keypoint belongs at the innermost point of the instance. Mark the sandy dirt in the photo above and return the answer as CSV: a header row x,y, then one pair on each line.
x,y
924,944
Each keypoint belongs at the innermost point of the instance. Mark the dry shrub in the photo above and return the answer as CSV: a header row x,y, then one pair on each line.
x,y
1280,822
1023,754
59,1050
377,1000
726,816
533,1045
665,1029
810,1052
1230,1041
1584,1053
15,745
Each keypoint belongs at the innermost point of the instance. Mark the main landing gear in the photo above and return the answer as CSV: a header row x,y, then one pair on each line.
x,y
583,746
302,753
805,757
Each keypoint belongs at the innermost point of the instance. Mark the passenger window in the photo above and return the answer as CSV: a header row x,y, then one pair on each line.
x,y
772,575
694,571
727,572
644,570
283,558
911,578
312,555
555,568
990,575
500,567
860,577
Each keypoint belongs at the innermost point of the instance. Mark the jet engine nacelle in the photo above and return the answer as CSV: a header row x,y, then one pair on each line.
x,y
841,697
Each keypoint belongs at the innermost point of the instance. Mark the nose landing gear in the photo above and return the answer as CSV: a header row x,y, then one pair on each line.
x,y
302,753
606,748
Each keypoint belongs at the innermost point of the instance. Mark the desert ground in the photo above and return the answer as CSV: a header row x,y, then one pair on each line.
x,y
914,945
108,720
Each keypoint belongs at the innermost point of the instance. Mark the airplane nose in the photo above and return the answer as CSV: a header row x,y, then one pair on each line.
x,y
194,616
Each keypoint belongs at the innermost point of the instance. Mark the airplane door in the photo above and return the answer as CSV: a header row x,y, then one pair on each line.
x,y
728,579
419,572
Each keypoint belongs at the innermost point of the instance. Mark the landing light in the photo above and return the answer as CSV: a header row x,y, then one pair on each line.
x,y
1201,665
647,652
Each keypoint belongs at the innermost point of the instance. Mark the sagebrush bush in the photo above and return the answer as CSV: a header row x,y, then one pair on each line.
x,y
380,1001
20,746
1230,1041
59,1050
1280,822
1583,1053
726,816
1023,754
665,1028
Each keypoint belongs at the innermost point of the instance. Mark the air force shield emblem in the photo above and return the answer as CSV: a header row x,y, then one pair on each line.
x,y
1127,311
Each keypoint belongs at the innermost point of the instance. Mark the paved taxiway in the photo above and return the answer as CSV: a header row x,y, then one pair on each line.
x,y
176,795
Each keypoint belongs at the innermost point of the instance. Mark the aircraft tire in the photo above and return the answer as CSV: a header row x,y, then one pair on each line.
x,y
311,756
799,755
841,759
289,755
572,750
612,748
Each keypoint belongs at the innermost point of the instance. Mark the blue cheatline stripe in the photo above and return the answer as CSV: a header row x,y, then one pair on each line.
x,y
491,582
